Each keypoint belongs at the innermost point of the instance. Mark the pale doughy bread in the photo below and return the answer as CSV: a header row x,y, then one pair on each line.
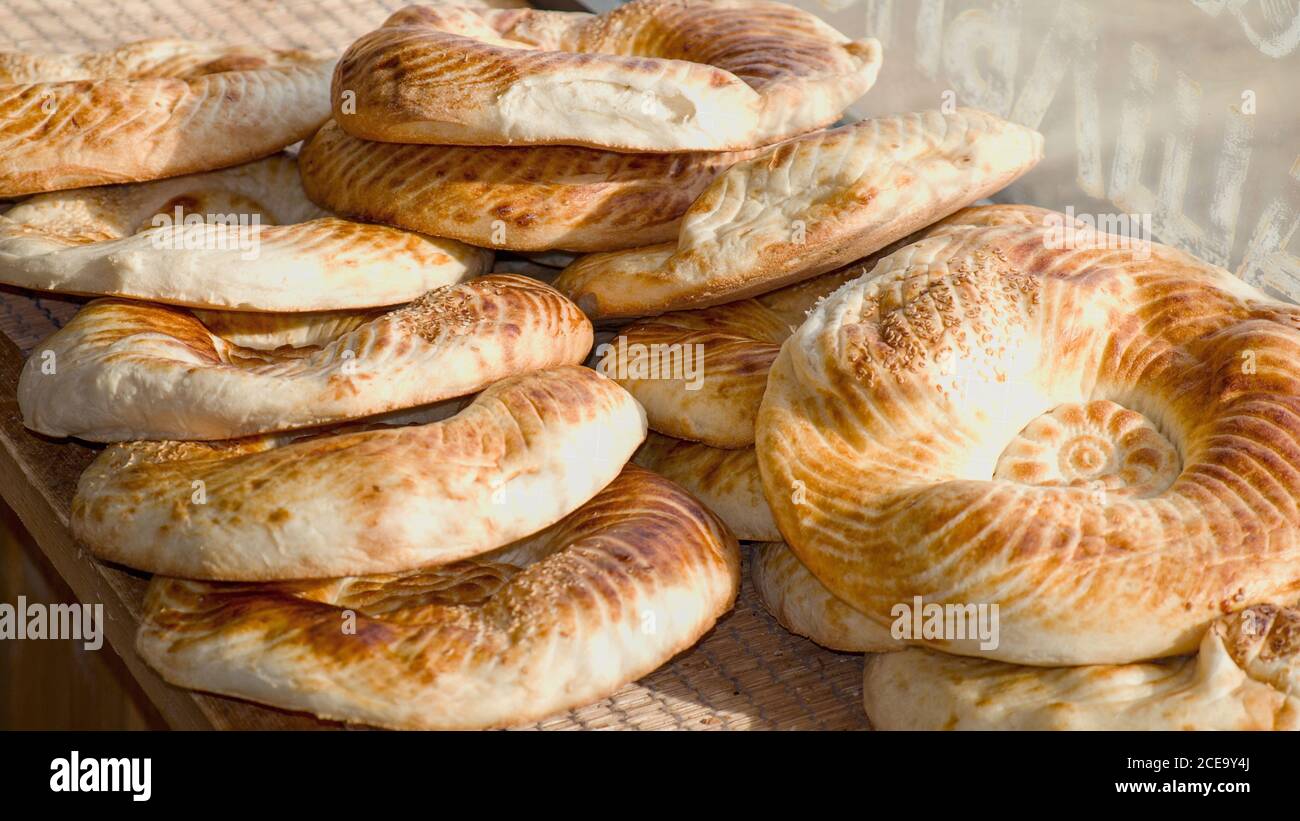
x,y
257,244
651,75
527,451
725,480
556,621
1245,677
520,199
733,346
806,608
806,207
152,109
132,370
1100,440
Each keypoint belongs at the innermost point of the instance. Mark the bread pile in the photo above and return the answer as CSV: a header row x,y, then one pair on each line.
x,y
383,473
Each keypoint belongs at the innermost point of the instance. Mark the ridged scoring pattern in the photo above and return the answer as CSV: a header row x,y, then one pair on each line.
x,y
657,75
808,206
1098,445
149,110
724,480
527,451
732,346
563,618
520,198
739,341
886,412
118,363
103,241
1246,676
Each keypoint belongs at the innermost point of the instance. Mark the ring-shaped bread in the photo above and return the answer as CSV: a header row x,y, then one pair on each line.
x,y
1099,436
244,238
123,370
152,109
379,499
650,75
555,621
1245,676
808,206
514,198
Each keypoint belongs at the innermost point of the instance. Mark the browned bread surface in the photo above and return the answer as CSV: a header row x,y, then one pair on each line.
x,y
1100,440
555,621
522,198
153,109
650,75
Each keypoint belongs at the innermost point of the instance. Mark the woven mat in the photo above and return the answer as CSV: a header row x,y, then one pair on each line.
x,y
748,673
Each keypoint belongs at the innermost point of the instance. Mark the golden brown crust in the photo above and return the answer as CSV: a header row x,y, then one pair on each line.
x,y
724,480
806,608
558,620
150,110
244,238
808,206
119,363
736,344
650,75
714,401
527,451
521,198
886,413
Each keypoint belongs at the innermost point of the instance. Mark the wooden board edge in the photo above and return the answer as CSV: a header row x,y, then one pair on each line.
x,y
85,576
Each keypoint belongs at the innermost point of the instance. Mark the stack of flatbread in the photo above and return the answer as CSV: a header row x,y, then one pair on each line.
x,y
357,422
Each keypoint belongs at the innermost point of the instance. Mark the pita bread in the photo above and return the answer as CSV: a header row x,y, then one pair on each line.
x,y
806,207
526,452
521,199
555,621
1065,431
650,75
244,238
152,109
131,370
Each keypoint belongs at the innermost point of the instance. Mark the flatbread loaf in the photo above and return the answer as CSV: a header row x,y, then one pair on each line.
x,y
526,452
243,238
650,75
133,370
152,109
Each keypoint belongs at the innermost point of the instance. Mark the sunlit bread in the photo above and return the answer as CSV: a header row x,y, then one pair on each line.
x,y
1100,438
650,75
555,621
151,109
